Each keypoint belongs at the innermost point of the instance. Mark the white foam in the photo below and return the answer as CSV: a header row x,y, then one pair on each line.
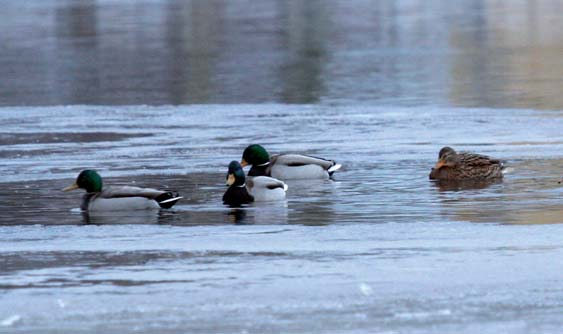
x,y
366,289
508,170
61,303
10,321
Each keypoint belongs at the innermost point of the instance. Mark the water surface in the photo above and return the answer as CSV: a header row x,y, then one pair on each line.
x,y
408,53
377,86
380,247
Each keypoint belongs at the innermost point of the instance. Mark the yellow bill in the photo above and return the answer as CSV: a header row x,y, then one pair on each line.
x,y
440,164
74,186
230,180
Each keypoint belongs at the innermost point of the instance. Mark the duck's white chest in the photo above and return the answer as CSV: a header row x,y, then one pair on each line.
x,y
267,189
268,195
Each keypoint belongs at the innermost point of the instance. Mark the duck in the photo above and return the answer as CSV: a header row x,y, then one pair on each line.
x,y
119,198
289,166
454,166
256,189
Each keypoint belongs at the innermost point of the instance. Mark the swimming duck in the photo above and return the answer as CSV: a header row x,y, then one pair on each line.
x,y
119,198
286,166
453,166
259,188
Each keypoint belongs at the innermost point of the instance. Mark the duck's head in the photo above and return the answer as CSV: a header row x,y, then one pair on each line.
x,y
254,155
88,180
235,176
447,158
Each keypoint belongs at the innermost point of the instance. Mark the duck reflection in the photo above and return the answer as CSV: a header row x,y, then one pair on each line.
x,y
471,200
237,216
450,185
271,213
124,217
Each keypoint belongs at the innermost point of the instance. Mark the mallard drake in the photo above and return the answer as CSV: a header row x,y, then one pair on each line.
x,y
259,188
453,166
119,198
286,166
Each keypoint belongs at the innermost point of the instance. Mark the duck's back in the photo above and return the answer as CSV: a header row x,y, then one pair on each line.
x,y
129,191
297,166
123,198
122,204
477,166
299,172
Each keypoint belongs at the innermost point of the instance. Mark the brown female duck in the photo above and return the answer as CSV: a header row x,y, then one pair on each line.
x,y
453,166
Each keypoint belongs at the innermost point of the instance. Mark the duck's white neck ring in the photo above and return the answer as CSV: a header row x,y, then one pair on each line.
x,y
242,185
264,164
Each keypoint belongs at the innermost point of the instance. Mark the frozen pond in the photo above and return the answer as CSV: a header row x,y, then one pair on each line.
x,y
379,247
166,93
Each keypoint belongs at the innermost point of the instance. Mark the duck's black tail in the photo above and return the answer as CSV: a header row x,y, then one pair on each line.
x,y
168,199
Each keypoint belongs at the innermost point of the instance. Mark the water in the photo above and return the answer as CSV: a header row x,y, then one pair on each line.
x,y
380,247
419,277
379,88
480,53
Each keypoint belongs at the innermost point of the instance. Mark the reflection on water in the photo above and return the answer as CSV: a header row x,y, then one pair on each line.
x,y
237,216
122,217
259,213
474,53
447,185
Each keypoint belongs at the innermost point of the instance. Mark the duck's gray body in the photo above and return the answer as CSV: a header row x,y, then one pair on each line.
x,y
300,167
126,198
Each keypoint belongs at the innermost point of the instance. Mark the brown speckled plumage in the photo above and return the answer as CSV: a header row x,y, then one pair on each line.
x,y
465,166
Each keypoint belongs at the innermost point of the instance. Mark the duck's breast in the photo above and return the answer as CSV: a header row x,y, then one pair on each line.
x,y
122,204
268,195
267,189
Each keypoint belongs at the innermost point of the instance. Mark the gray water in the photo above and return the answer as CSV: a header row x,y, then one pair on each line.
x,y
479,53
379,88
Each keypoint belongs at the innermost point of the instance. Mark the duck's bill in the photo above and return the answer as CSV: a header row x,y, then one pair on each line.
x,y
74,186
243,163
439,164
230,180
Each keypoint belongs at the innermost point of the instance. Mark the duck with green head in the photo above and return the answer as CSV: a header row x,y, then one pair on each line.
x,y
454,166
260,188
114,198
286,166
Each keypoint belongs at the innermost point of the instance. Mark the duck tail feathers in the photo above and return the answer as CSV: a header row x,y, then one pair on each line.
x,y
334,168
168,199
